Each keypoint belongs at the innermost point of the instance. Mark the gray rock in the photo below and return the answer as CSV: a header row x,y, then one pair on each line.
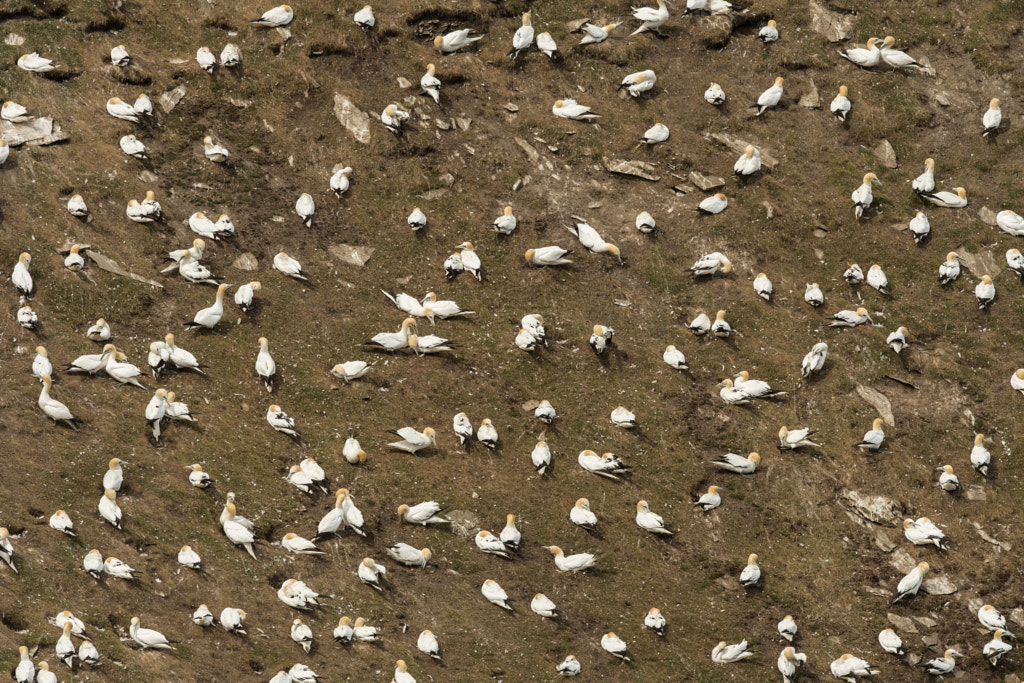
x,y
982,263
464,523
985,537
246,262
927,622
354,256
739,146
903,561
41,131
811,99
879,402
876,509
939,585
1017,616
834,26
638,169
355,121
987,216
463,123
886,154
930,639
883,541
404,83
943,98
976,493
169,100
14,40
904,624
532,153
706,182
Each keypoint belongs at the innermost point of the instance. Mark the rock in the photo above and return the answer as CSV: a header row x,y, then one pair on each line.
x,y
943,98
14,40
930,639
985,537
879,402
246,261
532,153
883,541
638,169
976,493
975,604
739,146
706,182
913,659
530,406
448,179
404,83
464,523
939,585
108,264
1012,678
463,123
835,26
148,176
354,256
886,154
876,509
241,104
903,562
521,183
903,624
33,132
880,592
982,263
1017,616
713,32
169,100
987,216
442,124
511,107
769,210
431,195
728,583
575,24
355,121
811,99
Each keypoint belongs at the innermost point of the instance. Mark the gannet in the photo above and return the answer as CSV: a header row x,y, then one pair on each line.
x,y
279,420
638,83
61,521
674,358
120,109
714,204
864,58
920,228
14,112
545,412
74,261
200,224
505,224
91,362
77,206
923,532
547,45
897,58
711,264
737,463
114,476
120,370
510,534
850,318
244,295
652,19
93,564
655,134
21,277
540,456
996,648
526,340
581,515
622,417
148,638
351,515
350,370
156,410
534,323
841,106
487,435
985,292
769,33
891,642
1010,223
206,59
568,109
266,368
392,341
489,543
177,356
332,521
649,521
54,409
402,674
495,594
787,627
230,56
991,619
281,15
755,388
655,621
949,200
749,162
363,633
926,181
980,457
733,395
430,343
215,152
948,481
88,654
25,672
392,117
343,631
876,279
849,668
423,513
862,196
406,303
443,309
709,6
339,181
34,63
26,317
873,438
431,85
300,633
44,675
763,286
455,41
570,666
300,673
7,549
814,361
788,662
593,242
68,617
751,574
542,605
714,95
222,228
1015,262
41,364
645,223
294,543
371,573
189,558
911,583
463,428
943,665
601,338
5,151
700,325
523,38
710,500
470,260
118,569
791,439
595,34
770,97
992,118
143,105
231,620
305,208
897,341
299,479
238,532
572,563
138,214
364,19
412,440
608,465
854,275
289,266
109,509
725,654
210,316
1016,383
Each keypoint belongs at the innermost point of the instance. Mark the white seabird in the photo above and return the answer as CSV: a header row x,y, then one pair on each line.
x,y
470,260
608,465
505,224
791,439
543,605
849,668
281,15
540,456
911,583
850,318
41,364
596,34
54,409
862,196
305,207
891,642
992,118
364,18
148,638
215,152
431,85
674,358
814,361
639,83
710,500
601,338
770,98
737,463
455,41
652,19
920,228
714,204
76,204
897,341
769,33
206,59
547,45
230,56
940,666
522,41
655,134
714,95
787,627
841,105
209,317
287,265
340,182
922,531
266,368
393,118
948,200
980,457
926,181
711,264
279,420
581,515
763,286
1011,223
189,558
985,292
568,109
726,654
622,417
996,648
610,642
294,543
751,574
412,440
990,618
572,563
873,438
864,58
948,481
34,63
61,521
21,278
854,275
789,661
897,58
650,521
495,594
423,513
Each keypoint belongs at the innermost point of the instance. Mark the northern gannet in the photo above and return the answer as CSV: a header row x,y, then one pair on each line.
x,y
26,317
495,594
572,563
25,672
992,118
92,362
7,549
177,356
431,85
14,112
749,162
34,63
67,617
862,196
755,388
244,295
714,204
523,38
569,109
113,478
655,621
814,361
674,358
305,208
949,200
363,633
350,370
770,98
841,105
547,45
402,674
412,440
980,457
791,439
709,6
545,412
121,371
570,666
505,224
601,338
266,368
148,638
301,634
769,33
74,261
610,642
526,340
911,583
489,543
897,341
639,83
120,109
1010,223
726,654
364,19
287,265
996,648
711,264
299,479
922,531
540,456
343,631
294,543
88,654
608,465
470,260
455,41
137,213
622,417
763,286
710,500
340,182
487,435
61,521
232,620
850,318
404,553
281,15
77,206
118,569
897,58
877,280
645,223
93,564
332,521
948,481
873,438
751,574
5,151
891,642
650,521
143,105
714,95
655,134
21,277
940,666
789,661
206,59
214,151
543,605
534,323
700,325
990,618
109,509
854,274
652,19
581,515
230,56
463,428
864,58
189,558
1016,382
44,675
592,241
371,573
156,410
737,463
595,34
920,228
393,118
279,420
510,534
926,181
1015,262
41,364
849,668
392,341
54,409
985,292
300,673
787,627
210,316
238,532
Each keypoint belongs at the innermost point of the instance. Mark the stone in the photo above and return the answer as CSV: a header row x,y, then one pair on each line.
x,y
1017,616
108,264
930,639
728,583
148,176
739,146
246,262
169,100
463,123
637,169
437,193
810,99
404,83
879,402
902,624
769,210
883,541
943,98
448,179
987,216
706,182
530,406
886,154
903,562
442,124
835,26
355,121
985,537
511,107
876,509
354,256
532,153
976,492
464,523
713,32
14,40
33,132
982,263
938,585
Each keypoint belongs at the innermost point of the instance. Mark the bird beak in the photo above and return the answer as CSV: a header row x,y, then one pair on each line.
x,y
876,180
